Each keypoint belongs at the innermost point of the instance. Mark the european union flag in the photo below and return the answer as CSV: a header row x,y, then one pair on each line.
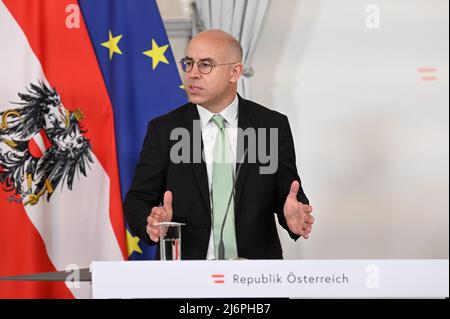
x,y
141,77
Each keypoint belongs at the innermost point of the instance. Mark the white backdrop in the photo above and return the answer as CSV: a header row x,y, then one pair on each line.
x,y
371,136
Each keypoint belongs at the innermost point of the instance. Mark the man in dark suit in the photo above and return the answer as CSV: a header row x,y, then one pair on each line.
x,y
222,203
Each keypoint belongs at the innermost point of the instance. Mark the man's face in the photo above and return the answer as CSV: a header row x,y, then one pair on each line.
x,y
212,88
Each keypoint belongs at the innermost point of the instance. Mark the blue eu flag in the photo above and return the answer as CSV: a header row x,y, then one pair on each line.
x,y
141,77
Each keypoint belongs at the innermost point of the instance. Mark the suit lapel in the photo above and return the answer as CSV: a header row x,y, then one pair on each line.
x,y
245,120
199,169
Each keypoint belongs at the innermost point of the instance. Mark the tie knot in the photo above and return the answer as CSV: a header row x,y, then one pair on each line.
x,y
219,120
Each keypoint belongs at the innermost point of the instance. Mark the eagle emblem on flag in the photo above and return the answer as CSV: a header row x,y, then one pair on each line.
x,y
41,145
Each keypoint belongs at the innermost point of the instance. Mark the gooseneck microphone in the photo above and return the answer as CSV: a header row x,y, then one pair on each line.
x,y
232,196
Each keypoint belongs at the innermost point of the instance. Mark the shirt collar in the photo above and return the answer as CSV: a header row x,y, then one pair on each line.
x,y
230,113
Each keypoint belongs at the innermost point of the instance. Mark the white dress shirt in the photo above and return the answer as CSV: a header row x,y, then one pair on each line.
x,y
209,134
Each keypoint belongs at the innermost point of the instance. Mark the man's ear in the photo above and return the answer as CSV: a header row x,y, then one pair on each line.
x,y
236,72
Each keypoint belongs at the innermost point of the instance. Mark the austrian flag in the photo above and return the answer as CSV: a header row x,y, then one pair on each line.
x,y
60,197
79,82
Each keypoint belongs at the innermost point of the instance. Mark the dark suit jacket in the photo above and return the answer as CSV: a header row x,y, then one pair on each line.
x,y
258,196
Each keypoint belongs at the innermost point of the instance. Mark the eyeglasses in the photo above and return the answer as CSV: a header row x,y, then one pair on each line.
x,y
205,66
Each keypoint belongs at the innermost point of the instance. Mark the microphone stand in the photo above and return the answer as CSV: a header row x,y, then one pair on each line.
x,y
232,196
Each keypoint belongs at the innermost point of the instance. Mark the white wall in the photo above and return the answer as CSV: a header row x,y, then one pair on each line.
x,y
371,136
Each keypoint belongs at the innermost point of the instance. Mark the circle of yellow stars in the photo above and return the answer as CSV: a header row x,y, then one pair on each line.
x,y
156,53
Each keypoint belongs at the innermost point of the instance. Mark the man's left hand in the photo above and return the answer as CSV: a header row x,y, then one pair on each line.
x,y
298,215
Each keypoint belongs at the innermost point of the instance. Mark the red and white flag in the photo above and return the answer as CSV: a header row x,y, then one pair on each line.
x,y
60,202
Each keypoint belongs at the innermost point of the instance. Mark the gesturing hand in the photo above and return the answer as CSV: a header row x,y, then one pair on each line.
x,y
298,215
159,214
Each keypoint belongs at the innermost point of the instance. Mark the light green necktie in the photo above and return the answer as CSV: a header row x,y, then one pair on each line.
x,y
222,186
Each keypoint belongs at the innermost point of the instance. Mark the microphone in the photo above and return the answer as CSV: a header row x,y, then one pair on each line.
x,y
232,196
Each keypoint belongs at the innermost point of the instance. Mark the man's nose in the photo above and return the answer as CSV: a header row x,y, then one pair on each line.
x,y
195,73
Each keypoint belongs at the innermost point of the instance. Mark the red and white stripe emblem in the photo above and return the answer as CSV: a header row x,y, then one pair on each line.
x,y
218,278
38,144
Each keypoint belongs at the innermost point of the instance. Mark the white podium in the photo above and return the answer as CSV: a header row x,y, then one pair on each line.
x,y
272,279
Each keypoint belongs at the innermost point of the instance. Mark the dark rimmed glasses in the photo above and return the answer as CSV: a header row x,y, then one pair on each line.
x,y
204,66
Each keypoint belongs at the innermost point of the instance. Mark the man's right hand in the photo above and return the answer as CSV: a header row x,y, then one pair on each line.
x,y
158,215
